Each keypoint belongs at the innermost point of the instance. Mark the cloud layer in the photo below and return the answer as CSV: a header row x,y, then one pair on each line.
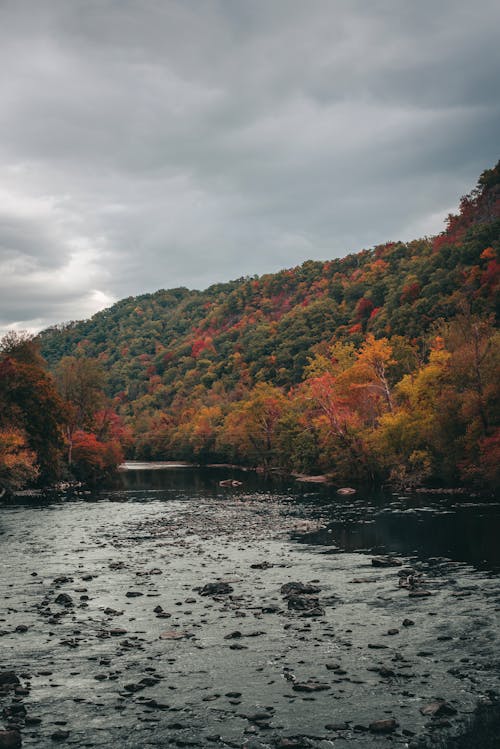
x,y
147,145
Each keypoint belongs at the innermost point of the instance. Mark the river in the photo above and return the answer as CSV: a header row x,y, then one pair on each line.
x,y
153,614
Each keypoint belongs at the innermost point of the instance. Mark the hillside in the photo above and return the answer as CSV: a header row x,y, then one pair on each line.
x,y
174,351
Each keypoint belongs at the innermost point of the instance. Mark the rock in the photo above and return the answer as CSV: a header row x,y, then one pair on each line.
x,y
406,572
146,573
133,593
419,593
386,561
174,635
408,622
8,678
293,589
253,717
386,725
10,740
261,566
216,589
155,705
302,603
21,628
315,611
272,609
438,709
337,726
292,742
134,687
310,686
63,599
59,735
14,710
439,723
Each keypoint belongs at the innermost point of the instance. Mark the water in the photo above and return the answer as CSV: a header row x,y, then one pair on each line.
x,y
114,669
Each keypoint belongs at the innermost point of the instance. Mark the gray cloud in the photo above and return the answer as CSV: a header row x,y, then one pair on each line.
x,y
147,145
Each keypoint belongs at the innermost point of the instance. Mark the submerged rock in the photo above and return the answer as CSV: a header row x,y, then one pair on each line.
x,y
302,603
63,599
10,740
386,561
310,686
216,589
9,679
292,589
438,709
386,725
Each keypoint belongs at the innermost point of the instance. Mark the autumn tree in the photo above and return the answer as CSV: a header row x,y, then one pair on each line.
x,y
250,429
32,414
18,465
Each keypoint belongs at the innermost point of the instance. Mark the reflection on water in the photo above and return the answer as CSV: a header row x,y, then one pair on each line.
x,y
468,534
425,526
463,529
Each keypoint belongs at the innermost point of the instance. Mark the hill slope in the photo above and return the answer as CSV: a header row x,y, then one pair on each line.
x,y
166,350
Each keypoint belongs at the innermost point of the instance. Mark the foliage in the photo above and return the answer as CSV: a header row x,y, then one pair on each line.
x,y
17,462
380,364
31,410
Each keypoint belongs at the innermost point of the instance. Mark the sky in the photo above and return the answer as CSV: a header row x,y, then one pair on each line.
x,y
150,144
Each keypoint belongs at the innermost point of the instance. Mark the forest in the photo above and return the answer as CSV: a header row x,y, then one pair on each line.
x,y
381,366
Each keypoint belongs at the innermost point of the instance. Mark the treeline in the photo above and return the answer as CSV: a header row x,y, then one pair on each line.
x,y
380,365
369,414
57,426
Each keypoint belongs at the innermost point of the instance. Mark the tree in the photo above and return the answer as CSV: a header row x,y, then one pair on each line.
x,y
93,459
421,437
80,382
250,429
30,404
17,462
373,361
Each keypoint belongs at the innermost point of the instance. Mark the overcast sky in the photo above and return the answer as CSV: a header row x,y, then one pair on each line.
x,y
148,144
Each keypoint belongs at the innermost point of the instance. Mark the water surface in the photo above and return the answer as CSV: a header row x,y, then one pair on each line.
x,y
140,658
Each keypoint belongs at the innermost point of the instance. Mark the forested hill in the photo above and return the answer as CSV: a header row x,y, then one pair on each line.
x,y
264,328
177,349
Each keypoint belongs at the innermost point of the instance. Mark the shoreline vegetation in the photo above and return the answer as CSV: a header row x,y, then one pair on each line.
x,y
380,368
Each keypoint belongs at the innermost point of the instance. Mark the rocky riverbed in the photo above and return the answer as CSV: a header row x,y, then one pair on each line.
x,y
167,618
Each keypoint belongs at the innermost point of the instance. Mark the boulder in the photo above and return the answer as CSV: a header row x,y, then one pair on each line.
x,y
10,740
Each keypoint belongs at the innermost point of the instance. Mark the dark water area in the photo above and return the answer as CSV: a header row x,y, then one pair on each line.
x,y
109,638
